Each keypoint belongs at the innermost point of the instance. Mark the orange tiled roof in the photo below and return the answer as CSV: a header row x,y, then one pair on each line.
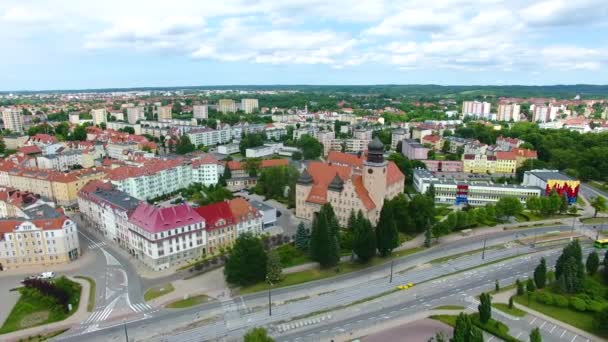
x,y
501,155
341,158
241,208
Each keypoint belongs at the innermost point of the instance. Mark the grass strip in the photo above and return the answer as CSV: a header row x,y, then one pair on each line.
x,y
511,311
92,288
158,291
449,307
188,302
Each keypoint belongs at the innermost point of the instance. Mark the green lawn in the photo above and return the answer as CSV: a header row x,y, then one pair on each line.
x,y
186,303
92,286
158,291
511,311
581,320
317,274
528,216
449,307
33,309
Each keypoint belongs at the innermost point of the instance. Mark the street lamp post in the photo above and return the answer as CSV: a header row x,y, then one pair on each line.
x,y
483,253
126,334
391,278
269,296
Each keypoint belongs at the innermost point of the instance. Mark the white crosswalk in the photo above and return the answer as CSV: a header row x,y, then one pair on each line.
x,y
141,307
99,315
94,245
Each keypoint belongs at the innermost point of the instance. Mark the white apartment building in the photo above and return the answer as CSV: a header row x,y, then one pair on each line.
x,y
508,112
249,105
544,113
74,118
210,137
275,133
117,125
62,161
260,151
200,111
135,114
206,170
363,134
13,120
45,237
228,149
397,136
99,116
240,129
476,108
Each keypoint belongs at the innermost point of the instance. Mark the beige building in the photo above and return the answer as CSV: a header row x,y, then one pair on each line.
x,y
226,106
60,187
349,183
249,105
45,237
14,141
99,116
135,114
13,120
200,111
165,112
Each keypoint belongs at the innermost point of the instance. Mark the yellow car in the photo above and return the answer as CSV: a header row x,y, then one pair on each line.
x,y
410,284
403,287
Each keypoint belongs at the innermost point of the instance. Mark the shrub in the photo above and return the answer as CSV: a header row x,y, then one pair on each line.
x,y
578,304
545,298
560,301
594,306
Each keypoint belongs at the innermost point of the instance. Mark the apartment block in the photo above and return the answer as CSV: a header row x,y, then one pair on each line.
x,y
135,114
165,112
508,112
13,120
476,108
249,105
413,150
99,116
226,106
200,111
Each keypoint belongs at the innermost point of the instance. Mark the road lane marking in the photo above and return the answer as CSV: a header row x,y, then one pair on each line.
x,y
554,326
562,335
534,320
573,338
542,325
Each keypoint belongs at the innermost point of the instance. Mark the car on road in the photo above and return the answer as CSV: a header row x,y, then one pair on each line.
x,y
46,275
405,286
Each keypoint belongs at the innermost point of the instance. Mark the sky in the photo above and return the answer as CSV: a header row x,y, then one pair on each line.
x,y
75,44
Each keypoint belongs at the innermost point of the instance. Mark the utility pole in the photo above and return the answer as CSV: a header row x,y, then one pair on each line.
x,y
483,253
391,278
126,334
269,302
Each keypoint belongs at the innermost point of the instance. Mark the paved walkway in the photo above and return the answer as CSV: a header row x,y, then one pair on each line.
x,y
79,316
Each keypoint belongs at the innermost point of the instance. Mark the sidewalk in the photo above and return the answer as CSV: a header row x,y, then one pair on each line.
x,y
72,267
80,315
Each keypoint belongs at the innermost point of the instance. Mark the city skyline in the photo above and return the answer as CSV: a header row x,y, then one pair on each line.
x,y
73,45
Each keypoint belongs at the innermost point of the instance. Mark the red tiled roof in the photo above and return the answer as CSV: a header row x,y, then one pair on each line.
x,y
240,208
32,149
431,138
44,138
148,168
526,153
393,174
469,157
155,219
344,159
362,193
216,215
322,174
7,226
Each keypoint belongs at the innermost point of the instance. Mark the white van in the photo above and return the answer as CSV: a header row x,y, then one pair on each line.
x,y
46,275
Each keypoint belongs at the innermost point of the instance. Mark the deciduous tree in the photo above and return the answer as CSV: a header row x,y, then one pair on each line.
x,y
247,261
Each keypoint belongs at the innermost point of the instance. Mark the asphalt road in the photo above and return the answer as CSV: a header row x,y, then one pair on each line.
x,y
232,316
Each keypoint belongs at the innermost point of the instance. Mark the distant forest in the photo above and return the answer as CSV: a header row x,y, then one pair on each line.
x,y
415,91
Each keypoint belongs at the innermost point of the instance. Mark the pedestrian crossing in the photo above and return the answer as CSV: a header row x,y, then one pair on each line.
x,y
141,307
99,315
98,244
